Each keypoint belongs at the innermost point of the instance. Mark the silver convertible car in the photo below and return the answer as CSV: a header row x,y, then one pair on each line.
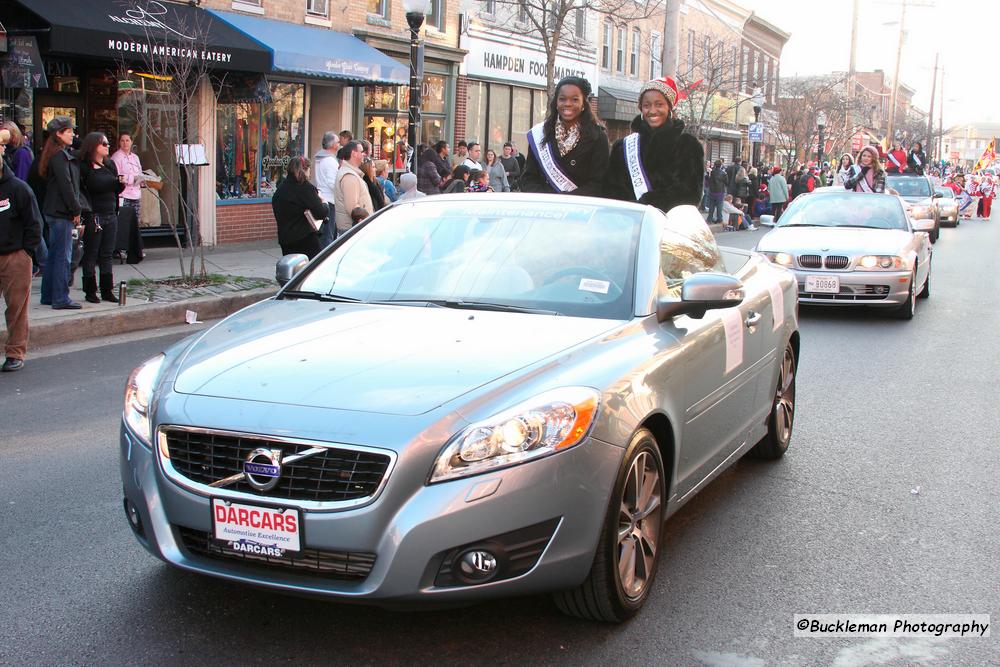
x,y
851,248
466,397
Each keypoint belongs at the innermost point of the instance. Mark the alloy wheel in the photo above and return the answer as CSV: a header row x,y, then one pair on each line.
x,y
784,399
639,519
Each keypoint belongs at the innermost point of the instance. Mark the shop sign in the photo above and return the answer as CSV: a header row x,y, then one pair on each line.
x,y
22,66
519,64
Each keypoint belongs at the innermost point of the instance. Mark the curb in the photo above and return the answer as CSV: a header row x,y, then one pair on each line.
x,y
136,318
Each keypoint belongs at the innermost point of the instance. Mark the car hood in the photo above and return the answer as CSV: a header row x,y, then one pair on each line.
x,y
398,360
919,200
833,240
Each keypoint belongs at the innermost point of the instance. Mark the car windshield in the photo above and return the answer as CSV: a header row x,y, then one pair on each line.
x,y
909,186
564,258
851,209
945,193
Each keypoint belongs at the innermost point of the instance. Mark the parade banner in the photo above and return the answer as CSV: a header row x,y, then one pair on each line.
x,y
988,156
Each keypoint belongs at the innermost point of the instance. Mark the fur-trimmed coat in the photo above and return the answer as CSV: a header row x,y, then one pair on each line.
x,y
585,165
674,161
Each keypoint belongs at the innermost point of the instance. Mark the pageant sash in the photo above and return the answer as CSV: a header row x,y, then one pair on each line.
x,y
636,170
547,162
862,181
895,161
916,158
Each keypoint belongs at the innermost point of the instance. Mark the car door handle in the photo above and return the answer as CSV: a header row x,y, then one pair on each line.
x,y
752,319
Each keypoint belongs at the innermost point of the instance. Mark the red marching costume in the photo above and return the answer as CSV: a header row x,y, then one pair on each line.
x,y
987,190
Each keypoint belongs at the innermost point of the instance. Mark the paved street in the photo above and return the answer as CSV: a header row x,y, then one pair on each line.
x,y
886,503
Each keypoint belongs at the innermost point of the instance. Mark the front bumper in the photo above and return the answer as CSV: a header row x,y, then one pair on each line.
x,y
858,288
410,535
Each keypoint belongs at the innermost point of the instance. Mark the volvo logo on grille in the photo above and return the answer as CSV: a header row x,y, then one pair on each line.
x,y
262,468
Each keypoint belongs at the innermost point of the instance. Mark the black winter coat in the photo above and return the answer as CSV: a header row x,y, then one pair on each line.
x,y
718,182
912,163
62,187
289,204
585,165
674,162
20,220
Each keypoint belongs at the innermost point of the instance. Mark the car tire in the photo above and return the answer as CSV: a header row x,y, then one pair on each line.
x,y
935,233
926,291
782,417
909,307
631,532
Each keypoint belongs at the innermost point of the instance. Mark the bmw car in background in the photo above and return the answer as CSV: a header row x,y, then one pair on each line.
x,y
850,248
947,205
466,398
919,198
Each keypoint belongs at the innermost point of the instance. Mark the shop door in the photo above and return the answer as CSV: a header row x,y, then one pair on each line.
x,y
48,107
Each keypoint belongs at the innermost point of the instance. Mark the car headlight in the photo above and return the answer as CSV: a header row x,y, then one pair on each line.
x,y
546,424
880,263
782,258
138,396
920,212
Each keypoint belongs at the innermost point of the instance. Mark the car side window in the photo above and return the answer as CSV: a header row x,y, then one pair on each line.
x,y
687,247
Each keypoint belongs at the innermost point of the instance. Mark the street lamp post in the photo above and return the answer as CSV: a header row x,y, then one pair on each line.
x,y
415,10
758,103
820,123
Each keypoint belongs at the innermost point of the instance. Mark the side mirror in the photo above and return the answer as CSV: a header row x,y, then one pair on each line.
x,y
288,266
700,293
937,195
767,220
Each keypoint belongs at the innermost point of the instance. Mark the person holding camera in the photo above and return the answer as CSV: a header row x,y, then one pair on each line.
x,y
100,180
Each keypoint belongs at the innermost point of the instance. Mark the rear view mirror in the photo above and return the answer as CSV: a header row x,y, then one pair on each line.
x,y
288,266
700,293
767,220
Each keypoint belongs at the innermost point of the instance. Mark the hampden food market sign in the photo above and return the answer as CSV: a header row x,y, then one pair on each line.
x,y
513,63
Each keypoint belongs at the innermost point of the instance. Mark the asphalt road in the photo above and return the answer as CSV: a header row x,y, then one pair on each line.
x,y
886,503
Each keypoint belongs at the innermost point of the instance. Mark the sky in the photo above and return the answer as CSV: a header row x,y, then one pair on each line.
x,y
963,31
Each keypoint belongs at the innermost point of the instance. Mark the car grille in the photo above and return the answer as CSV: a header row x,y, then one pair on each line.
x,y
836,262
810,261
338,565
848,293
332,475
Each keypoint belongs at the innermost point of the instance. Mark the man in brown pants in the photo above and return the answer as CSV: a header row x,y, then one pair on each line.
x,y
20,232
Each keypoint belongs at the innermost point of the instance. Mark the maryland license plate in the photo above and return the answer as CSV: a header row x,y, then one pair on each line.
x,y
823,284
265,531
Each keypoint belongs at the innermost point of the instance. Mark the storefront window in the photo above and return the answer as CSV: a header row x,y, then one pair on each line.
x,y
520,114
386,123
282,133
256,141
499,116
475,110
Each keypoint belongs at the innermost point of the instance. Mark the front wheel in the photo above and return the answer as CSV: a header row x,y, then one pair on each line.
x,y
779,423
628,552
909,307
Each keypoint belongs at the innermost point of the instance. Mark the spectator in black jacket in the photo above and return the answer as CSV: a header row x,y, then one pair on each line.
x,y
100,181
20,233
433,169
62,208
718,182
296,195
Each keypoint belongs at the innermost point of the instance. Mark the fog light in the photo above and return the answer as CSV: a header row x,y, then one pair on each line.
x,y
478,565
134,520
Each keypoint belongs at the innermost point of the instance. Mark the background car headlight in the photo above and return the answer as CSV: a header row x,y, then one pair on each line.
x,y
880,263
549,423
782,258
138,396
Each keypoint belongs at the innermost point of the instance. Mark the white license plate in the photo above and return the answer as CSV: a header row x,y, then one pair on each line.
x,y
823,284
266,531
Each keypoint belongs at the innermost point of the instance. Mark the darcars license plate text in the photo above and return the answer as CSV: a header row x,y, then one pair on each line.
x,y
260,530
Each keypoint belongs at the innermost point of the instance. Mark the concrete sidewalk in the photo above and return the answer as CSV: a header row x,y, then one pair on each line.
x,y
250,260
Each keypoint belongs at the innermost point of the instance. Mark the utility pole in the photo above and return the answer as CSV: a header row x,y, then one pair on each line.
x,y
930,112
895,79
852,69
671,37
940,152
